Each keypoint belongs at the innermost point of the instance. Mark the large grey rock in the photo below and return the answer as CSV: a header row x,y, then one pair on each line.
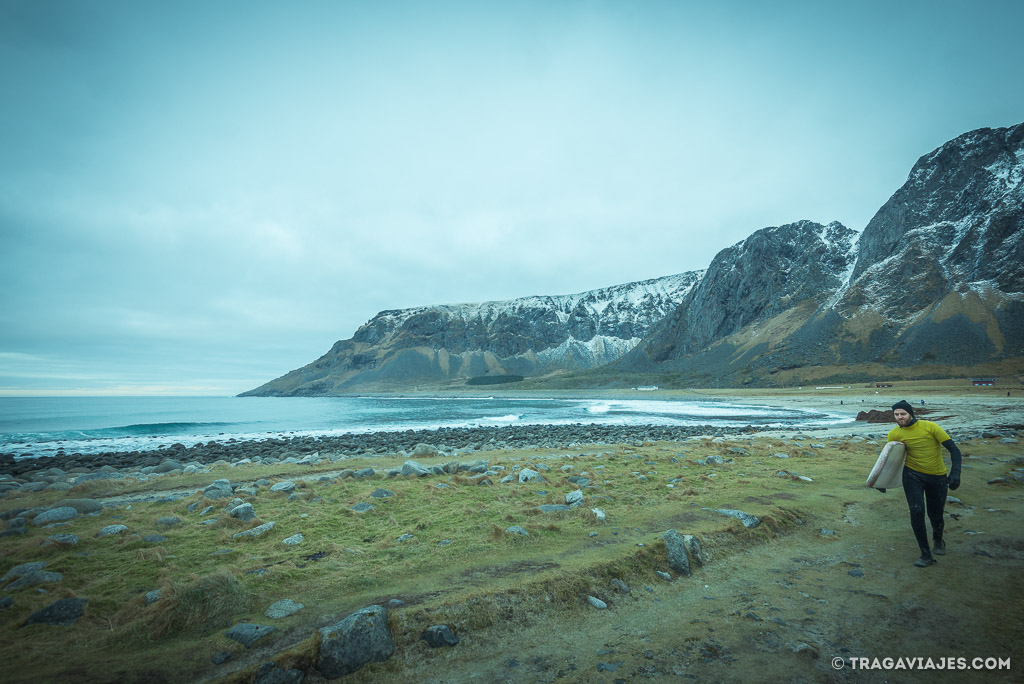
x,y
675,547
245,512
55,515
574,498
64,612
414,468
528,475
358,639
285,486
112,529
248,634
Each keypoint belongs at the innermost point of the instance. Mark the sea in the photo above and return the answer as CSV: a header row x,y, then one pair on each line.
x,y
43,426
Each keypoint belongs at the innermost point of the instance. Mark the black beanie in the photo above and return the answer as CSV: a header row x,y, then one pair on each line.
x,y
902,404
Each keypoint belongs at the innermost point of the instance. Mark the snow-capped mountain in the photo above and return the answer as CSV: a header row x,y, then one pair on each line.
x,y
527,336
933,286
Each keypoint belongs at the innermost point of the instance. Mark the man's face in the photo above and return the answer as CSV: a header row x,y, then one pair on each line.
x,y
902,417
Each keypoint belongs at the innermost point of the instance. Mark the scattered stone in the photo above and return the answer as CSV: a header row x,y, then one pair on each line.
x,y
248,634
220,657
358,639
414,468
168,521
60,540
283,609
154,539
362,507
55,515
856,572
245,512
620,586
34,578
597,603
19,570
693,548
574,498
994,480
83,506
528,475
954,500
153,596
382,493
825,532
748,520
293,540
553,508
406,537
64,612
440,635
516,529
599,515
256,531
285,486
365,472
663,575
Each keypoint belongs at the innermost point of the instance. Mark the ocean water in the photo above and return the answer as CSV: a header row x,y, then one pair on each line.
x,y
41,426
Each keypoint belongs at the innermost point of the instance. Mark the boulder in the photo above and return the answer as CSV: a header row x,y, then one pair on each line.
x,y
53,515
64,612
285,486
245,512
34,578
414,468
19,570
283,609
61,540
528,475
675,546
83,506
360,638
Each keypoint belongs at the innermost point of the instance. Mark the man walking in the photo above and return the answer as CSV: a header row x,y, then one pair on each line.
x,y
924,476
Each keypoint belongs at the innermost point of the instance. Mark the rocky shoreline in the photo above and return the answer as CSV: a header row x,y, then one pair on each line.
x,y
453,441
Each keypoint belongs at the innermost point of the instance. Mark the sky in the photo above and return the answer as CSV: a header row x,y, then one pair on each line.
x,y
198,196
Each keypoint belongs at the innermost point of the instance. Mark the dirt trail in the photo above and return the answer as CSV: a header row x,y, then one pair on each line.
x,y
782,611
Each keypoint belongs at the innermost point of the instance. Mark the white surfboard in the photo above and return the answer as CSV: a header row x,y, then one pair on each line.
x,y
888,470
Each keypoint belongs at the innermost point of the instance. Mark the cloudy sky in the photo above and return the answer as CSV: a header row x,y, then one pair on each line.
x,y
199,196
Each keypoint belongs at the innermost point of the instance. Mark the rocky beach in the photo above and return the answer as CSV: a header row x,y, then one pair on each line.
x,y
517,553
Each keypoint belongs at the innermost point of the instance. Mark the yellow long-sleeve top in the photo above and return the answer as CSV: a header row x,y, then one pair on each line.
x,y
924,446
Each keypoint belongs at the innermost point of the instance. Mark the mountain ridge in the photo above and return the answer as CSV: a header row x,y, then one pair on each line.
x,y
935,281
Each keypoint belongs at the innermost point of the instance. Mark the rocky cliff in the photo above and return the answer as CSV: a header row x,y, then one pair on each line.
x,y
934,286
935,282
521,337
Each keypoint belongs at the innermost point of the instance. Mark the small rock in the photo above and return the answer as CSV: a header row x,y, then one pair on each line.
x,y
293,540
248,634
599,515
516,529
61,540
34,578
748,520
154,539
440,635
382,493
220,657
244,512
283,609
553,508
362,507
663,575
168,521
597,603
285,486
256,531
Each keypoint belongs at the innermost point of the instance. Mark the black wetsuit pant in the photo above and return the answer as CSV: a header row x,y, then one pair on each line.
x,y
920,487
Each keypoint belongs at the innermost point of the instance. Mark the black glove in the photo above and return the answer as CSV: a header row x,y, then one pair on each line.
x,y
954,480
882,489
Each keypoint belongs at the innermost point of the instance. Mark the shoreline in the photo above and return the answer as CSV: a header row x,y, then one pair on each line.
x,y
963,416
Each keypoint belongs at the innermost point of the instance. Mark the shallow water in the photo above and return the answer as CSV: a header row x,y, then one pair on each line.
x,y
43,425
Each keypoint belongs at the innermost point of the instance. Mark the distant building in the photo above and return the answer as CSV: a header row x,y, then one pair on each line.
x,y
646,388
883,384
982,382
